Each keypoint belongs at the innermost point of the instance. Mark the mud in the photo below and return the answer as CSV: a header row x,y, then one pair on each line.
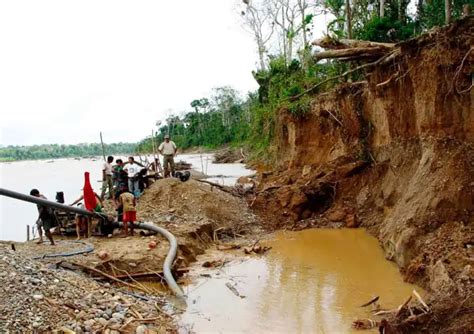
x,y
399,161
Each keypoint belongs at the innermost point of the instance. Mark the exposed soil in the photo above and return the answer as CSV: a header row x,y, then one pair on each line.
x,y
393,154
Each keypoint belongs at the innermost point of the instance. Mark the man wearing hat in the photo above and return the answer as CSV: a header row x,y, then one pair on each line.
x,y
168,150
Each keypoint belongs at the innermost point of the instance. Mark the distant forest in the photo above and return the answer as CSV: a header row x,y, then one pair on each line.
x,y
52,151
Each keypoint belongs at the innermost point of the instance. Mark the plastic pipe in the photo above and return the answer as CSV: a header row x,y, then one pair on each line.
x,y
169,257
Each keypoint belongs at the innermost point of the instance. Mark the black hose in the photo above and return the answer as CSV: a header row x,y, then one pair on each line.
x,y
45,202
89,248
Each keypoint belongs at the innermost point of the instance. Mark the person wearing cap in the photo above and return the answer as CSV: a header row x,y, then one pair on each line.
x,y
168,150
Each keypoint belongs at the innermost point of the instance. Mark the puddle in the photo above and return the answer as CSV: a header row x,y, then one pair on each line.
x,y
312,281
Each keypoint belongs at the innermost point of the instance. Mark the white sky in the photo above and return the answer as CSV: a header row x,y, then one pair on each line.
x,y
70,69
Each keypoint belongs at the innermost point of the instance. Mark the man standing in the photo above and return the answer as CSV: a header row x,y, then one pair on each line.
x,y
46,219
133,168
168,150
107,173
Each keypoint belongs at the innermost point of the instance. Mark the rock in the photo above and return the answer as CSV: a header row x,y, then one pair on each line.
x,y
336,215
38,297
103,255
142,329
118,316
101,321
90,322
152,244
36,324
440,282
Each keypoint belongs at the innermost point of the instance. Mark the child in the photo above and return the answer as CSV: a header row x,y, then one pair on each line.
x,y
128,202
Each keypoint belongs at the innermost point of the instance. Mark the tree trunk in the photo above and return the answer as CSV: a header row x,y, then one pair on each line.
x,y
447,10
382,9
349,19
261,54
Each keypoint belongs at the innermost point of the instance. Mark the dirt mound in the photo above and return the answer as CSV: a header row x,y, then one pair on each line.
x,y
193,201
394,154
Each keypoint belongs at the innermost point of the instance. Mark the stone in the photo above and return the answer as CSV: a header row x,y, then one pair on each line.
x,y
38,297
142,329
36,324
101,321
89,323
118,316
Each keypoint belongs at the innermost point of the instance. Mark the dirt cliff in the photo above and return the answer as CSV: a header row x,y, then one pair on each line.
x,y
393,154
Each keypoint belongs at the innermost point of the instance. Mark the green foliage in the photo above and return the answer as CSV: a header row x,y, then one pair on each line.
x,y
385,30
53,151
431,13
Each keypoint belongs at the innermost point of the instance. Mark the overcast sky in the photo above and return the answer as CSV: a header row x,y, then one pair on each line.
x,y
70,69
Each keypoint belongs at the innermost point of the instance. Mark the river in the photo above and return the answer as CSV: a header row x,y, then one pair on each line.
x,y
67,175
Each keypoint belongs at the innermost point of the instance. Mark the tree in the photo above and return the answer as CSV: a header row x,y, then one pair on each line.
x,y
447,11
258,20
349,19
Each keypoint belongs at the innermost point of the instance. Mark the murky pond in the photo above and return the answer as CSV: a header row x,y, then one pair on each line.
x,y
312,281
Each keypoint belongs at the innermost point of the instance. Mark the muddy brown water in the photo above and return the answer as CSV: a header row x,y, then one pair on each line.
x,y
312,281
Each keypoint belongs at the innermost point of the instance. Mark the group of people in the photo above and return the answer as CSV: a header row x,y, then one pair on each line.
x,y
124,184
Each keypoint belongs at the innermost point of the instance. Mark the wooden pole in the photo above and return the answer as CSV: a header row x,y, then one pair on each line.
x,y
103,148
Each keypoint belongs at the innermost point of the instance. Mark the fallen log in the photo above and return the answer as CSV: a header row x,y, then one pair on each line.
x,y
343,43
351,53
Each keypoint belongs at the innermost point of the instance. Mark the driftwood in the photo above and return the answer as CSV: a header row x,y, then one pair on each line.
x,y
373,300
234,290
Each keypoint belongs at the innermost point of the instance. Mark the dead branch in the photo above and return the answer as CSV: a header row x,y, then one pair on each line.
x,y
403,306
221,187
422,302
373,300
358,68
234,290
101,273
